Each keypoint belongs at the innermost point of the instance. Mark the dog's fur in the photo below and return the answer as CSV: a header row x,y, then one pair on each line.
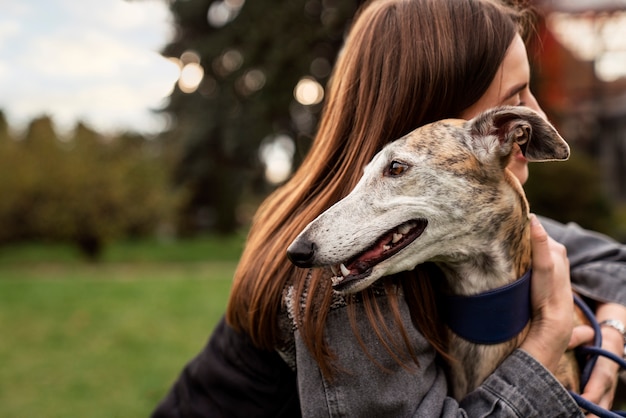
x,y
442,194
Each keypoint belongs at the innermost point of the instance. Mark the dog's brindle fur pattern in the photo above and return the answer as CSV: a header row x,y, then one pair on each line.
x,y
478,229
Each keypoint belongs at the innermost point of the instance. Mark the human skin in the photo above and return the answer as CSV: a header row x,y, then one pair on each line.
x,y
511,86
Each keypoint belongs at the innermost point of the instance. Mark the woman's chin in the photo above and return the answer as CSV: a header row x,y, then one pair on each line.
x,y
520,171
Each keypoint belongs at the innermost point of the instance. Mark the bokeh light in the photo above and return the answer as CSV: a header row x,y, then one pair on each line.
x,y
189,57
222,12
276,153
250,82
320,67
601,39
231,60
190,77
308,91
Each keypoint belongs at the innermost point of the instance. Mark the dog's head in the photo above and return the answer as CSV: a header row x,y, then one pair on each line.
x,y
436,194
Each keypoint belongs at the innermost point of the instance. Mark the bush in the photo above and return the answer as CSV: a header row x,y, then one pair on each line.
x,y
87,190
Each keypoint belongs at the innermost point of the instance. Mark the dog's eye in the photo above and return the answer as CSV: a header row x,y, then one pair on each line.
x,y
396,168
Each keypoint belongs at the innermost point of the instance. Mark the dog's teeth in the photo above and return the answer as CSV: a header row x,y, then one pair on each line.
x,y
404,228
344,270
336,280
334,270
386,247
396,238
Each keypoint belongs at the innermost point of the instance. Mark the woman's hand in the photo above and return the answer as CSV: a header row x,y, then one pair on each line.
x,y
551,299
600,388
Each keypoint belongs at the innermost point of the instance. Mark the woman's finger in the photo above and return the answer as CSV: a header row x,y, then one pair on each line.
x,y
581,334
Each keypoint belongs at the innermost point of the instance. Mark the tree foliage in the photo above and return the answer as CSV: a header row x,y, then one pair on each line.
x,y
87,189
251,65
571,191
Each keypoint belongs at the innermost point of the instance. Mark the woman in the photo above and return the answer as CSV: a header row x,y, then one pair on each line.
x,y
405,63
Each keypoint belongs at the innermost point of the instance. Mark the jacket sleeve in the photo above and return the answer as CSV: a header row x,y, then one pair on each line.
x,y
520,387
597,262
232,378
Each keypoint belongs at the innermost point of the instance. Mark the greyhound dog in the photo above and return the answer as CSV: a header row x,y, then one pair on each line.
x,y
441,194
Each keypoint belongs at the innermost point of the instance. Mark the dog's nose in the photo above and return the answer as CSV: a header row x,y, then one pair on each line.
x,y
301,252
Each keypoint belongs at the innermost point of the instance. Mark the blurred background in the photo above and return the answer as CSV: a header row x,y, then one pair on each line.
x,y
138,137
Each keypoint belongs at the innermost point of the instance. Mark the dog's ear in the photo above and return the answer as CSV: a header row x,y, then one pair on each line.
x,y
537,138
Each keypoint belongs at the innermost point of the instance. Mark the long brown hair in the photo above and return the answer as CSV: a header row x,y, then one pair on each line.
x,y
405,63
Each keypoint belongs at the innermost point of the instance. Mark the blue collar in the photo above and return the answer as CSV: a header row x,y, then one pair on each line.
x,y
492,317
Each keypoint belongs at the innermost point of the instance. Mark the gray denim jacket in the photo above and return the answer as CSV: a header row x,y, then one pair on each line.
x,y
520,386
597,262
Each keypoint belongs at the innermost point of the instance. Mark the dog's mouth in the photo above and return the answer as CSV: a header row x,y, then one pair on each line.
x,y
389,244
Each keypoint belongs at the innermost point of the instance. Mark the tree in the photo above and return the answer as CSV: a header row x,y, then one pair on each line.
x,y
16,180
41,136
251,65
4,129
88,190
32,166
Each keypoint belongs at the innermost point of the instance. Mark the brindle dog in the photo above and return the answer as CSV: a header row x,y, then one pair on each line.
x,y
442,194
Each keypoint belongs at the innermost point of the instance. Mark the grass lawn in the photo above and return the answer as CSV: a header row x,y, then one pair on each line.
x,y
106,339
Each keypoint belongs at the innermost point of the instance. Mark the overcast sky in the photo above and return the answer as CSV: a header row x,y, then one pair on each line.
x,y
93,60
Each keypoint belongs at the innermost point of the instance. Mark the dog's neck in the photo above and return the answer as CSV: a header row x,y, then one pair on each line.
x,y
501,257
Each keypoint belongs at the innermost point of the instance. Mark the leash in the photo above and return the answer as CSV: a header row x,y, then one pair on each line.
x,y
593,352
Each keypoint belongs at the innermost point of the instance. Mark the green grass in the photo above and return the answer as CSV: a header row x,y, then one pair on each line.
x,y
105,339
197,249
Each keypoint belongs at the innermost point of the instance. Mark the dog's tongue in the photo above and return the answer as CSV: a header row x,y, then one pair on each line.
x,y
367,259
386,246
